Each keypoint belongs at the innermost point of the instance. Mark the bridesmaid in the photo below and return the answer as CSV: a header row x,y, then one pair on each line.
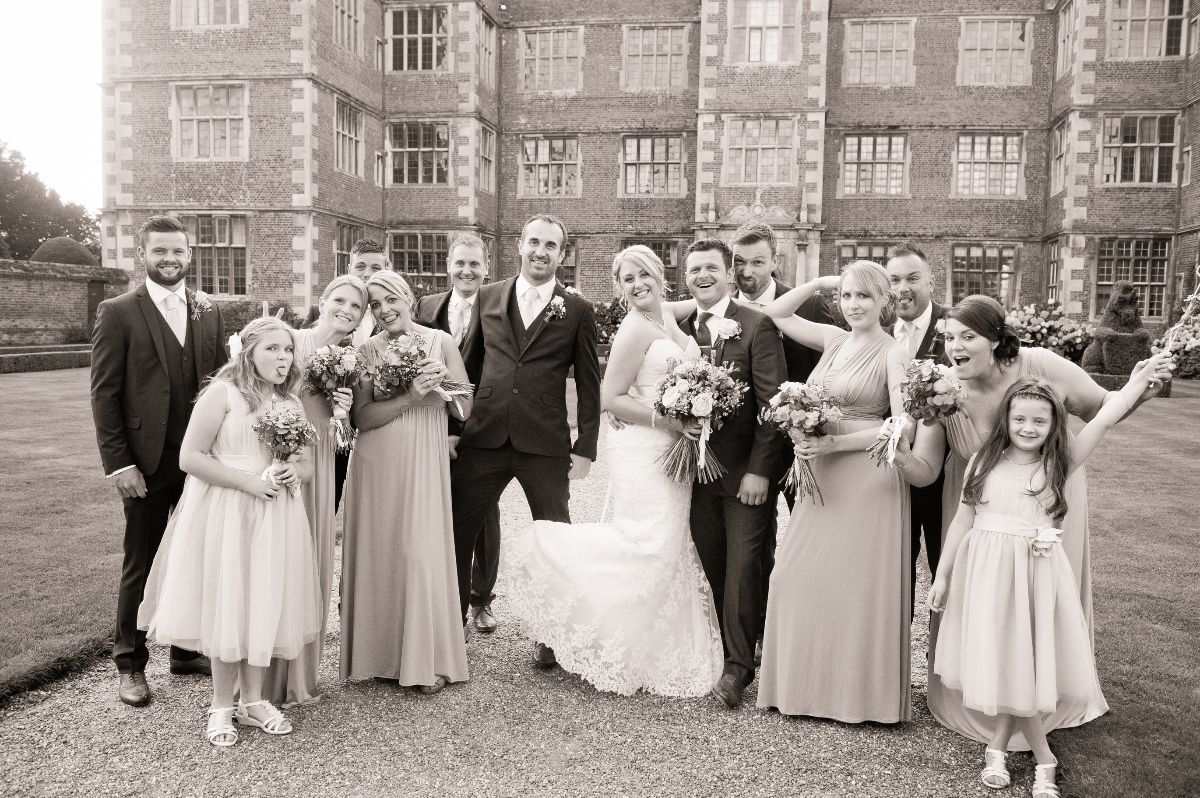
x,y
988,358
400,613
836,643
341,308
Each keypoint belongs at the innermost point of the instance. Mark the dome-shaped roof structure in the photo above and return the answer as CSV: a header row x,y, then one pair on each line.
x,y
62,249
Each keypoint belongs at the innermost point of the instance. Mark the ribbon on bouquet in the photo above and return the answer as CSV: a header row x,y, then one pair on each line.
x,y
705,432
1043,543
449,389
271,475
893,443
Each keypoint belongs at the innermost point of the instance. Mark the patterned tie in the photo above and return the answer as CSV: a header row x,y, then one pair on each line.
x,y
703,334
529,306
174,317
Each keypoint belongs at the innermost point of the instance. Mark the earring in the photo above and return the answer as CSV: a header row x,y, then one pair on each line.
x,y
992,358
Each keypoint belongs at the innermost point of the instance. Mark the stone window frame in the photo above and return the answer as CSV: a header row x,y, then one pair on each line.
x,y
728,145
489,48
1137,146
432,248
861,249
569,32
910,72
1060,149
1185,166
178,121
205,256
380,169
1150,255
988,160
1053,280
181,7
991,263
653,137
348,144
1118,39
1193,35
436,37
844,163
672,56
1065,33
1026,23
344,237
348,23
487,159
394,153
550,162
737,53
568,270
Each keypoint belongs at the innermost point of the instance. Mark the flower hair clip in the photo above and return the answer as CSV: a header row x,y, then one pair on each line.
x,y
234,343
200,305
1047,538
557,309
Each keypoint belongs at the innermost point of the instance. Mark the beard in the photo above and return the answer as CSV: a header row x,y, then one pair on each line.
x,y
154,273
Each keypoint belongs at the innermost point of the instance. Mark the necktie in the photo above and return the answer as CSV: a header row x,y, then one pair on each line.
x,y
904,334
174,317
530,306
458,319
703,334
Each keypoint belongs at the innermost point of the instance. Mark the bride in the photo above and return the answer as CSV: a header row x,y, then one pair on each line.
x,y
625,604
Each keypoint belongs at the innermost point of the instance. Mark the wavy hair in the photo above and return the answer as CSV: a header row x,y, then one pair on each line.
x,y
986,317
239,371
642,256
871,277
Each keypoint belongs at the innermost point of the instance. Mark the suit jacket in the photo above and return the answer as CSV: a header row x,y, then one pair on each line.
x,y
742,445
933,346
521,392
433,310
801,360
131,392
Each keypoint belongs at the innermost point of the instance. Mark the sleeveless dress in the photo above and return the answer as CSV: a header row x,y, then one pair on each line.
x,y
1013,638
836,643
964,437
625,605
400,614
235,577
295,681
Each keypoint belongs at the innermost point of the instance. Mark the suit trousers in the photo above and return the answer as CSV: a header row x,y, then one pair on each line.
x,y
925,513
730,538
478,477
487,560
145,522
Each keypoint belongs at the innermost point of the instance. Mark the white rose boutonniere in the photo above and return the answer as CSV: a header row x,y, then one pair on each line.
x,y
1045,541
727,328
200,305
572,290
557,309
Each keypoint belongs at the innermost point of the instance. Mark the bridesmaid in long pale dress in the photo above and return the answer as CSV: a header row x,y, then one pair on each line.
x,y
342,305
836,643
987,358
400,612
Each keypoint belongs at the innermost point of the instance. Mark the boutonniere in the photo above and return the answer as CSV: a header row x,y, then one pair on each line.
x,y
939,326
200,305
727,328
572,290
1047,538
557,309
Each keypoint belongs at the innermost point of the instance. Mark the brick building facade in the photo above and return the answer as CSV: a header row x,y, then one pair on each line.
x,y
1033,148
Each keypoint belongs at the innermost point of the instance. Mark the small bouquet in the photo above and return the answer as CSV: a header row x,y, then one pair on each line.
x,y
930,393
331,368
801,410
284,431
697,391
400,364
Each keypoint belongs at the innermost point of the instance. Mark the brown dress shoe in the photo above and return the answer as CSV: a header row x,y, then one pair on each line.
x,y
543,656
199,666
133,689
729,690
484,620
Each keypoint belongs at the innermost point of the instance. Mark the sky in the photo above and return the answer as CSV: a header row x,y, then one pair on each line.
x,y
50,61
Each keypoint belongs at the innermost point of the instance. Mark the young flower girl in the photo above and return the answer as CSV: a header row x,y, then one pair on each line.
x,y
235,576
1013,638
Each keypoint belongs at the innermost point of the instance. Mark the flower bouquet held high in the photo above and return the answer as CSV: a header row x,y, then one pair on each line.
x,y
801,410
930,393
331,368
696,391
401,363
284,431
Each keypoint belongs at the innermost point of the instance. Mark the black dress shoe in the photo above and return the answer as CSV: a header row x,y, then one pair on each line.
x,y
199,666
133,689
729,689
758,652
543,656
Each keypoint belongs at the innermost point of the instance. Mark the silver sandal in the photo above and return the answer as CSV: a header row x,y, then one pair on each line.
x,y
221,732
1045,781
995,770
275,723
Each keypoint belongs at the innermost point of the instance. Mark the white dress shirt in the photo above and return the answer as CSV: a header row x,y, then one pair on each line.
x,y
160,295
765,298
459,314
914,330
531,309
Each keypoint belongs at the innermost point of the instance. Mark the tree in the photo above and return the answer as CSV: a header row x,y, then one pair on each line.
x,y
31,213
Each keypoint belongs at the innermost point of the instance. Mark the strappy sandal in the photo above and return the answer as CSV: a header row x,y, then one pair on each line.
x,y
221,732
436,687
275,723
995,770
1045,781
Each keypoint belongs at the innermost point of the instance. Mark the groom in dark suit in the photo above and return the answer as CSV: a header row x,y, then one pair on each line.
x,y
732,517
152,350
532,332
917,316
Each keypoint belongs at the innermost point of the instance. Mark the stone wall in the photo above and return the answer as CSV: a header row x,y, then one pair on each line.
x,y
53,303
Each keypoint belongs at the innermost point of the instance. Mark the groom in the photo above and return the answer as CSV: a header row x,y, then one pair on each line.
x,y
732,517
532,332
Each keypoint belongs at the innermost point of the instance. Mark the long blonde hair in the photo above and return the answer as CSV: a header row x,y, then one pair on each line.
x,y
241,374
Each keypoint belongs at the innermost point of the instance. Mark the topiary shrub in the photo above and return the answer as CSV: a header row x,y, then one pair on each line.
x,y
63,250
1120,340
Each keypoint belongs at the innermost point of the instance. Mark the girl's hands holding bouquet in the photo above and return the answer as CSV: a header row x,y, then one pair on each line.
x,y
259,488
342,399
429,376
808,448
286,473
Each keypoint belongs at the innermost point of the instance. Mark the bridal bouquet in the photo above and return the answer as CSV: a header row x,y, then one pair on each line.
x,y
930,393
331,368
284,431
696,391
801,410
400,364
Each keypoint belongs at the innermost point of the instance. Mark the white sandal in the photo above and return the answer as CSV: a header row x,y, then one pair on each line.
x,y
1045,781
221,732
275,723
995,770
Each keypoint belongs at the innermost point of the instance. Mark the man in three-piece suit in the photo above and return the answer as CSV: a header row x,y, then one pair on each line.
x,y
916,328
731,517
152,350
457,312
531,333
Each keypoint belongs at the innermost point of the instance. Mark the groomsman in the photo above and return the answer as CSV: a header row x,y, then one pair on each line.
x,y
916,321
152,350
731,518
456,312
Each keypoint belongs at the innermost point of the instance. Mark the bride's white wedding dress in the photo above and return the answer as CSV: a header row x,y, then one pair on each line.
x,y
624,604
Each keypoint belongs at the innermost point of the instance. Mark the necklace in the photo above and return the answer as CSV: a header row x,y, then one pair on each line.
x,y
1018,462
653,321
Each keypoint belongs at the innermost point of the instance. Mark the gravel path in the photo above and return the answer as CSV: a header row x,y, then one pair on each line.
x,y
510,730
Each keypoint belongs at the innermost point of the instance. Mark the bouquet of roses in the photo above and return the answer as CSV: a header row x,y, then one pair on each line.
x,y
801,410
331,368
930,393
284,431
696,391
400,364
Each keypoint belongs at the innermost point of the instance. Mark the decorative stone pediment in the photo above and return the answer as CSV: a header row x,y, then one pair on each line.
x,y
775,215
